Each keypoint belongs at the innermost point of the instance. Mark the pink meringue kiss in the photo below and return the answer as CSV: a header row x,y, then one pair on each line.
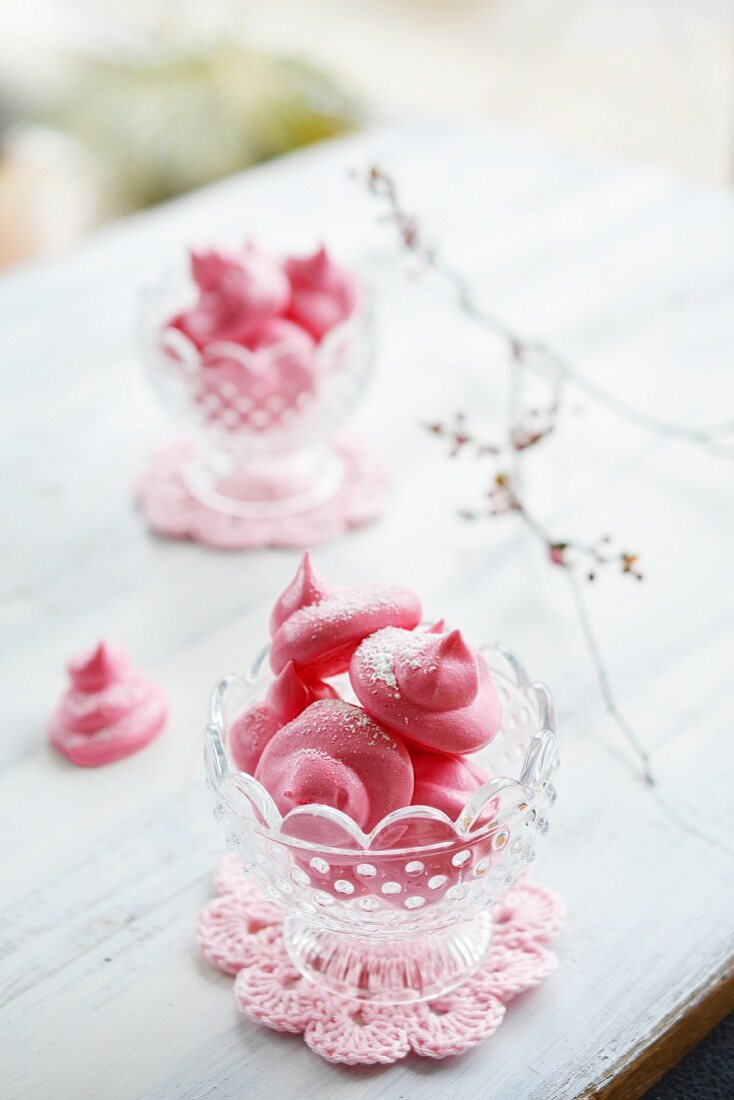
x,y
322,292
433,689
306,589
444,782
237,291
318,626
248,279
286,698
108,712
335,755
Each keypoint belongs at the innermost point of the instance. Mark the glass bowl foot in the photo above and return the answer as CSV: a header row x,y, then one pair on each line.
x,y
406,968
266,485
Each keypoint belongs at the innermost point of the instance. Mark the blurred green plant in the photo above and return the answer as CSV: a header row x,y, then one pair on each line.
x,y
177,117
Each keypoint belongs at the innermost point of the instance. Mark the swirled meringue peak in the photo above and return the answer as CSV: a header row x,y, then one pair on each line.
x,y
320,634
335,755
439,627
322,292
445,782
433,689
306,588
93,673
108,712
286,698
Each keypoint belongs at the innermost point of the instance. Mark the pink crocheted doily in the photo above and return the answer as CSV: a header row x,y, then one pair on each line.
x,y
172,510
239,933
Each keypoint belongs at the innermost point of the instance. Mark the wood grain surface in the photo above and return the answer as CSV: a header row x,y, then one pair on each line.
x,y
629,272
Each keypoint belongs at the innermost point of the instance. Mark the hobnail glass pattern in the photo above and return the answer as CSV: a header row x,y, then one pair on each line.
x,y
415,893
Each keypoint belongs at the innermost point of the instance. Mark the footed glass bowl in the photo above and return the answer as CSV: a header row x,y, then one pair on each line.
x,y
261,425
404,913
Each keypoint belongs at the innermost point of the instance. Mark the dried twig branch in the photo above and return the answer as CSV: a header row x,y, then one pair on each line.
x,y
527,428
602,676
536,354
571,555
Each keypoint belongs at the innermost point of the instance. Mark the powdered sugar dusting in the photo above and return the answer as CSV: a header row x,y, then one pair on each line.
x,y
344,604
121,694
377,654
352,721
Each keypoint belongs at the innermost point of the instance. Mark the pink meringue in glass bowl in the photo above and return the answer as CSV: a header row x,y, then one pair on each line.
x,y
401,912
261,360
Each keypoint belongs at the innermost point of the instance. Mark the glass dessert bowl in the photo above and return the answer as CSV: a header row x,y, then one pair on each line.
x,y
262,420
403,913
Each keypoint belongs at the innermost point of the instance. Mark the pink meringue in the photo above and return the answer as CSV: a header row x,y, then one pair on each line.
x,y
237,292
108,712
306,588
248,279
318,626
445,782
433,689
322,292
334,754
283,335
205,324
286,698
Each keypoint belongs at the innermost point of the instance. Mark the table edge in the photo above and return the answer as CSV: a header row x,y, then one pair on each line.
x,y
678,1033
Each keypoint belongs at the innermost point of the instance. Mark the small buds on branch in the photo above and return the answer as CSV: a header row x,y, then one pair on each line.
x,y
459,438
382,186
574,557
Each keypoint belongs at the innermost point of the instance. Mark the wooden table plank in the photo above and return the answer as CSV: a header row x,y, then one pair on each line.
x,y
630,272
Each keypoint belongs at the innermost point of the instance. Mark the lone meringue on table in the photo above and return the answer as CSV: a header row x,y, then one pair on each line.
x,y
108,712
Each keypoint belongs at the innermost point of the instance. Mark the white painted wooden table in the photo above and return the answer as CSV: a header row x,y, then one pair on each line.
x,y
103,873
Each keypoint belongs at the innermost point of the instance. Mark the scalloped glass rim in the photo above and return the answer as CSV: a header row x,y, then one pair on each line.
x,y
231,786
190,358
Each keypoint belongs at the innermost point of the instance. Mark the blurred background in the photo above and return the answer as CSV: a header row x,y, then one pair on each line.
x,y
113,105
